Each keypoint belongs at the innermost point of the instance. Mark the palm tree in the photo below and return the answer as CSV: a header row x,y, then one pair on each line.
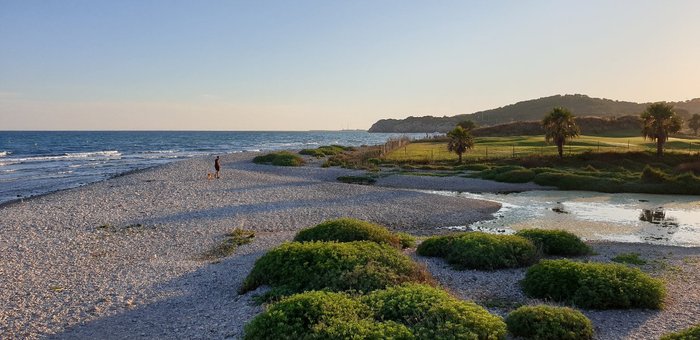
x,y
659,121
694,123
559,126
460,141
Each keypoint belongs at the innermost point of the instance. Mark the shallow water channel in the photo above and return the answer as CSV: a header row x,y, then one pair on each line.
x,y
657,219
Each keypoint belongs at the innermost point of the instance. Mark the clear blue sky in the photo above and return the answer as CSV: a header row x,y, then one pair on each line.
x,y
296,65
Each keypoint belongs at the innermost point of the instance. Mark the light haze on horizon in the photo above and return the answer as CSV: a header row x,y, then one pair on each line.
x,y
302,65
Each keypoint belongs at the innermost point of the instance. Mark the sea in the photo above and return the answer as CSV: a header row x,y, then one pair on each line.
x,y
38,162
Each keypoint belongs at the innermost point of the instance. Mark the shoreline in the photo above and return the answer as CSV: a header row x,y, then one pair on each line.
x,y
122,257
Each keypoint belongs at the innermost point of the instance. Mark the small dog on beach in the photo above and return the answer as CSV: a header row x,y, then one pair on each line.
x,y
210,176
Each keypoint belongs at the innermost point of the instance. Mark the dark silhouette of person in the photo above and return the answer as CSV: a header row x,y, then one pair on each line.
x,y
217,166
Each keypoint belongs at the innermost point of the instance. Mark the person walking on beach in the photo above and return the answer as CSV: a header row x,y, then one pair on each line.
x,y
217,166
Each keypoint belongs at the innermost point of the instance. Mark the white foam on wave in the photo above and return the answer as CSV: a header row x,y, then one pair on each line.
x,y
72,156
5,153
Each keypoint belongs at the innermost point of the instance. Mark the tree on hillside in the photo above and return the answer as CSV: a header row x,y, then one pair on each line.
x,y
659,121
467,125
694,123
460,141
559,126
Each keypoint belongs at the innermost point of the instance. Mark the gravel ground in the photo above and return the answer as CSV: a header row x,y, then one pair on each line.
x,y
122,259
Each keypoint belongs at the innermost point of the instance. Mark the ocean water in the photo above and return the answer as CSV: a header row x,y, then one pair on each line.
x,y
38,162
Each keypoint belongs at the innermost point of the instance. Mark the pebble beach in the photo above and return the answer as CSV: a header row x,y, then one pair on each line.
x,y
123,258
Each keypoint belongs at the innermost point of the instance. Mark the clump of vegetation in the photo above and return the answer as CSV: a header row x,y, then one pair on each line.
x,y
460,140
237,237
326,150
549,323
692,333
365,180
477,250
407,240
404,312
556,242
593,285
317,315
359,266
349,230
516,176
282,158
631,258
653,175
433,314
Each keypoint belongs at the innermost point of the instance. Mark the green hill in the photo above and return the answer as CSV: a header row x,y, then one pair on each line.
x,y
530,110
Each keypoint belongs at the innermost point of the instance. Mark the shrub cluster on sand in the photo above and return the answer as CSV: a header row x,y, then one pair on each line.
x,y
350,229
593,285
692,333
282,158
477,250
556,242
326,150
359,266
409,311
544,322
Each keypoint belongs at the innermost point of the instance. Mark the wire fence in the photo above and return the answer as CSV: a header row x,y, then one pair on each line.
x,y
429,152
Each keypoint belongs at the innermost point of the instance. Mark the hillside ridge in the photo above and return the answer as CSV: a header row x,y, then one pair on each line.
x,y
529,110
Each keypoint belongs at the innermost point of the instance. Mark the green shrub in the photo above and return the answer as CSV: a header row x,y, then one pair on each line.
x,y
516,176
692,333
477,250
653,175
360,266
407,240
433,314
312,152
631,258
549,323
556,242
366,180
348,230
438,246
593,285
281,158
305,314
495,171
403,312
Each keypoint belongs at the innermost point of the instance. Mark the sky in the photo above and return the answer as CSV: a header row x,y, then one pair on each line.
x,y
328,64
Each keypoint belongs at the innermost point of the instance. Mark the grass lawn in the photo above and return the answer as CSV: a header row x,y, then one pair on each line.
x,y
524,146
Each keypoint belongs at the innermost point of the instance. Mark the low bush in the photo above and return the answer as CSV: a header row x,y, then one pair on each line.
x,y
593,285
549,323
476,167
366,180
359,266
237,237
312,152
403,312
477,250
692,333
495,171
556,242
326,150
433,314
281,158
631,258
348,230
653,175
515,176
407,240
